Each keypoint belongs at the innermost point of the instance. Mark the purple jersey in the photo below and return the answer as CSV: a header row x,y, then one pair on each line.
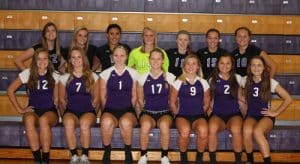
x,y
79,100
191,96
40,98
255,104
224,104
119,88
156,91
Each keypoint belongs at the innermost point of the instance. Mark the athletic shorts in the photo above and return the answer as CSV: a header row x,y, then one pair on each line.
x,y
156,115
260,117
119,113
191,118
227,118
40,112
78,115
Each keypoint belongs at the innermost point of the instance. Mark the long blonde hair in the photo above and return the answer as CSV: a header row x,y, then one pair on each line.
x,y
183,76
87,74
74,39
158,50
143,42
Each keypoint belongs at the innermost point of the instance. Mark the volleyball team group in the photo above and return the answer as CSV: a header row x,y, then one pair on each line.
x,y
203,92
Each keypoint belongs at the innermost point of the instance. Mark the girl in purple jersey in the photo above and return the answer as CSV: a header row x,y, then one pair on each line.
x,y
190,100
226,92
153,98
118,99
79,101
260,117
41,81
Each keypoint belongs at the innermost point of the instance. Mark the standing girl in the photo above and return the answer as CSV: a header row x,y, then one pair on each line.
x,y
81,40
104,57
192,93
260,117
79,100
41,81
245,51
49,41
210,54
153,98
226,92
139,57
118,99
176,55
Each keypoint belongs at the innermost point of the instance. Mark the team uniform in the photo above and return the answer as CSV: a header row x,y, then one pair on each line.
x,y
176,61
156,94
209,60
225,105
104,54
242,60
91,52
79,100
140,60
190,98
119,90
41,98
54,58
255,104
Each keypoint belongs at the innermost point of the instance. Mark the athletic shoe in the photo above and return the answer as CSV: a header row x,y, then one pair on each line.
x,y
74,159
143,160
84,159
165,160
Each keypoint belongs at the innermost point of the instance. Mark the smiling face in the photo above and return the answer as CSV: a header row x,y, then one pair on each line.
x,y
191,66
212,39
119,56
50,33
148,37
76,59
114,36
242,38
156,60
257,67
183,41
81,38
42,60
225,64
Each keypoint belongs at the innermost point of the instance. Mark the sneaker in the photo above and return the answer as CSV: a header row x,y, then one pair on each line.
x,y
74,159
165,160
84,159
249,162
143,159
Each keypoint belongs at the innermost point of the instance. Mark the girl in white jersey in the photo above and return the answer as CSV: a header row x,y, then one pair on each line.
x,y
41,81
153,97
118,99
261,115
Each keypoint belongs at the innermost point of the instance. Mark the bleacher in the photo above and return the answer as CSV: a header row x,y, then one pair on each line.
x,y
274,23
